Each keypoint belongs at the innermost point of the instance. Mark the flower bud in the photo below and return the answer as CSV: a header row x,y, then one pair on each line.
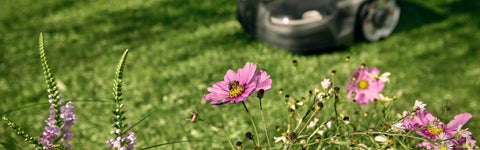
x,y
277,128
280,91
292,136
295,63
248,136
337,89
193,117
346,120
318,138
362,66
347,59
319,106
334,72
260,93
239,145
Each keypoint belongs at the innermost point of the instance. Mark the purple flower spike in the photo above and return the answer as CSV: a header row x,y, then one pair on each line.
x,y
237,86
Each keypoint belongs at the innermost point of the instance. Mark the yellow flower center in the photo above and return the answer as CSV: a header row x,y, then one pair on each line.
x,y
435,128
235,89
443,147
363,84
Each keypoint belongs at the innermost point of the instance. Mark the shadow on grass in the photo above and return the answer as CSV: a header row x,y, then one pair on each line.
x,y
414,16
470,7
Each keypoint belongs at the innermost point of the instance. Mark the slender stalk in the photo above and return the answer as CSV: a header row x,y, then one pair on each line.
x,y
369,133
307,123
264,124
253,123
221,130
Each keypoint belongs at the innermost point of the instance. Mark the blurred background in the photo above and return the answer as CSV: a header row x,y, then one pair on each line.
x,y
178,48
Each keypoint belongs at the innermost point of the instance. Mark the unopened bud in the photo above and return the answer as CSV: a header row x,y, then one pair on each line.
x,y
292,136
334,72
295,63
260,93
318,138
239,145
347,59
319,106
336,89
362,66
193,117
280,91
248,136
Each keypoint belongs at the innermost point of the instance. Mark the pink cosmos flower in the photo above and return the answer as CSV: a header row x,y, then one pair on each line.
x,y
364,85
237,86
431,127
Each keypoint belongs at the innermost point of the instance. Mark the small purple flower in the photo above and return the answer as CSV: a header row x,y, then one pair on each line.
x,y
364,85
66,113
52,131
120,142
237,86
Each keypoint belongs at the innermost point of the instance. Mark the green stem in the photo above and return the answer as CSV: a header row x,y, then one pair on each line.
x,y
264,124
369,133
253,123
221,130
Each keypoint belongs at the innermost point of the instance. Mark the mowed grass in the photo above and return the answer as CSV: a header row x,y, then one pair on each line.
x,y
178,48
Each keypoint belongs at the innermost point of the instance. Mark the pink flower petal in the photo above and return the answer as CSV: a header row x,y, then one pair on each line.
x,y
457,121
230,76
220,87
263,81
220,103
246,73
427,145
215,96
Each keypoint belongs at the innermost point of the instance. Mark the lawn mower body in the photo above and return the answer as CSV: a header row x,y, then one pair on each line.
x,y
306,25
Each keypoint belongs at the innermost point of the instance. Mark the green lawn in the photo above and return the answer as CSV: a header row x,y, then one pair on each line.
x,y
178,48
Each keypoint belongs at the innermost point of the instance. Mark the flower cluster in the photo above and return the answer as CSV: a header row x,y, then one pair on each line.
x,y
317,127
447,136
116,143
55,128
237,86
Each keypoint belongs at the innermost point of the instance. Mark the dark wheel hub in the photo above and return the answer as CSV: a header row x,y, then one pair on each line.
x,y
379,17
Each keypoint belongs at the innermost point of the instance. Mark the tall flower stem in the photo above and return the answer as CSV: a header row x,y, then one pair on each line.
x,y
264,124
253,123
221,130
